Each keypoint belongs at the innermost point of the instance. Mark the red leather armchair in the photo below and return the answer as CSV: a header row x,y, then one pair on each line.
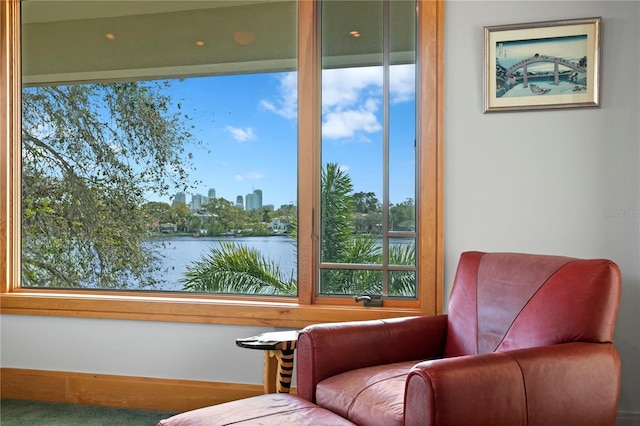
x,y
527,341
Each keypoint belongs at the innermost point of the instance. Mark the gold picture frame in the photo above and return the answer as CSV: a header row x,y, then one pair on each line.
x,y
542,65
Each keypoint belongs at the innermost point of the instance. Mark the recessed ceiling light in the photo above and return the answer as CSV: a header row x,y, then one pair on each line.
x,y
110,36
244,37
199,43
354,33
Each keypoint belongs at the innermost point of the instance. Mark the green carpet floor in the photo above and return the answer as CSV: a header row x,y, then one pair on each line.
x,y
32,413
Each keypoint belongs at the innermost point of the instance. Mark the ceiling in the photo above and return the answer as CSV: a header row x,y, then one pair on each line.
x,y
102,40
56,10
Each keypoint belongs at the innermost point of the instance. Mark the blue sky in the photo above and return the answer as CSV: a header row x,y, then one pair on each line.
x,y
571,48
248,127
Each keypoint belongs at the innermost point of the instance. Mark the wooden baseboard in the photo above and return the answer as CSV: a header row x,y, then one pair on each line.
x,y
119,391
140,392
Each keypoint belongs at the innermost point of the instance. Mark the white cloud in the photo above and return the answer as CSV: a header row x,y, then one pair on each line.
x,y
269,106
286,105
403,83
249,176
343,87
345,124
350,98
241,135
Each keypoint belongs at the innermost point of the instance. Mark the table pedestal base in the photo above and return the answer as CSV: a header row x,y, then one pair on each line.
x,y
278,370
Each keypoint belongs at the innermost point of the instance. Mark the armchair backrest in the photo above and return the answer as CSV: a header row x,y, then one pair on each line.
x,y
505,301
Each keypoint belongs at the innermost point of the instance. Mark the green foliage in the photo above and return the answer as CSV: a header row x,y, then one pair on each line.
x,y
365,202
403,216
90,153
364,249
336,213
235,268
360,249
402,283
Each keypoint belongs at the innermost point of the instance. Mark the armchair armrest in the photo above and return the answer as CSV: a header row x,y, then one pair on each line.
x,y
568,384
324,350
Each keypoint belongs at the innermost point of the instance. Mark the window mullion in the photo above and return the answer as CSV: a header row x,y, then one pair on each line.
x,y
10,64
308,149
385,146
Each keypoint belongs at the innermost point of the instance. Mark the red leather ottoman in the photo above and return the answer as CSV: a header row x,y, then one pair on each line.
x,y
271,409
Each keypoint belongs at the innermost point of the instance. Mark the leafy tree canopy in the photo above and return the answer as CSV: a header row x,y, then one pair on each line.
x,y
403,216
90,154
366,202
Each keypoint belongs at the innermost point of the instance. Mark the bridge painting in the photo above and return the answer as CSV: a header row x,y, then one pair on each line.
x,y
546,62
541,65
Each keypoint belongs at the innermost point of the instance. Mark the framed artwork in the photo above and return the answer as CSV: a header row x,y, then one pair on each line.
x,y
542,65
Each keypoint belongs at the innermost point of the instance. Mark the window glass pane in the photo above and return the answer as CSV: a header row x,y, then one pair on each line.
x,y
159,146
402,114
402,151
352,124
351,281
402,283
368,148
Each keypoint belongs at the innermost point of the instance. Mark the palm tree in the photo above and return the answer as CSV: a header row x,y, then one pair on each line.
x,y
336,214
402,283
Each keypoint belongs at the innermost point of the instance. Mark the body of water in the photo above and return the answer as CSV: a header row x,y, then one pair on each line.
x,y
563,88
181,251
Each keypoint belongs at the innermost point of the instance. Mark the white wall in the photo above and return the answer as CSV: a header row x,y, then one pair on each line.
x,y
131,348
538,181
552,181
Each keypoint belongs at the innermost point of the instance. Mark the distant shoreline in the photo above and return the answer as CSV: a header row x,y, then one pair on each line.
x,y
160,236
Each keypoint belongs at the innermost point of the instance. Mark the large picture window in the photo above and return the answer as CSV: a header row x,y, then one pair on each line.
x,y
169,154
184,183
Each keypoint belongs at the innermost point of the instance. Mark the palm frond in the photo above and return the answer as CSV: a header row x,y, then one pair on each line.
x,y
235,268
402,283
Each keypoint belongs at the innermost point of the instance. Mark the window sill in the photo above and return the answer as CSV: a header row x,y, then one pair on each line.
x,y
191,308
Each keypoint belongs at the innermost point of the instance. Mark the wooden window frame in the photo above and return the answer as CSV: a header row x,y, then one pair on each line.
x,y
277,312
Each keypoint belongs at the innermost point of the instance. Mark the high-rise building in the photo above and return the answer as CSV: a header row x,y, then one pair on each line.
x,y
249,202
258,198
212,193
254,200
239,202
196,202
180,198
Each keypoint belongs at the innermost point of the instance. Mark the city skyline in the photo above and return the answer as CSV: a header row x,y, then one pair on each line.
x,y
252,201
